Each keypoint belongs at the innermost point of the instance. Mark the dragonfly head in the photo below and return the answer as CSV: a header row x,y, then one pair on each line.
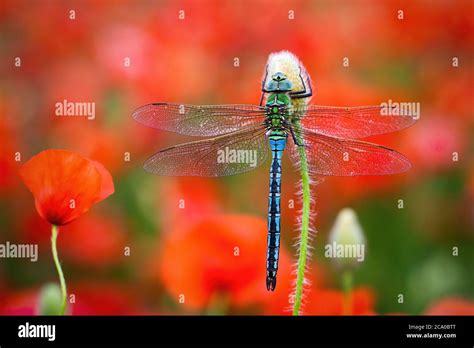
x,y
279,83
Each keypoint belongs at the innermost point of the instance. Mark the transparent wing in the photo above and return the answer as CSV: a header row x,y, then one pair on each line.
x,y
228,154
199,120
351,122
344,157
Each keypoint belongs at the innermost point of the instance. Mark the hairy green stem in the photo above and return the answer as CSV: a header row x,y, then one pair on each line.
x,y
62,281
304,236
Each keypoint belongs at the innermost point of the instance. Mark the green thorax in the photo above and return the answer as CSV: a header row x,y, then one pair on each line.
x,y
277,110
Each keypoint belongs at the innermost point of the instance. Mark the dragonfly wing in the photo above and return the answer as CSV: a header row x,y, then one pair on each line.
x,y
199,120
351,122
330,156
228,154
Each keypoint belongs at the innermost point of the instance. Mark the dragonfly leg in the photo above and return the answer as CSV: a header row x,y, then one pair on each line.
x,y
263,85
295,139
265,77
307,89
261,98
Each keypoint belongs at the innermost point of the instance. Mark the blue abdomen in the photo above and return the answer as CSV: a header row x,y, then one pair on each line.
x,y
277,145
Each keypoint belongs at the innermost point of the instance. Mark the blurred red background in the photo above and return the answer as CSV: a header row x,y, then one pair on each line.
x,y
189,251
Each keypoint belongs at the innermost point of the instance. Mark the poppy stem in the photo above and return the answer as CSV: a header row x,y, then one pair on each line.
x,y
304,235
347,281
62,281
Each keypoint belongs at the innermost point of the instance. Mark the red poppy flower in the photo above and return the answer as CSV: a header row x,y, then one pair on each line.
x,y
451,306
218,257
65,185
331,302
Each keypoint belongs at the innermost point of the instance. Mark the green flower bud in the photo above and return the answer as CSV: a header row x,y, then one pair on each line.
x,y
347,243
50,300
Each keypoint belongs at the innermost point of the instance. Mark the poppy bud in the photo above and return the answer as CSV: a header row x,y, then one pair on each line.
x,y
50,300
346,241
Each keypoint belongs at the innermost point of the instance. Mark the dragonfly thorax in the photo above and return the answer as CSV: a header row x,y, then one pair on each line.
x,y
277,109
278,101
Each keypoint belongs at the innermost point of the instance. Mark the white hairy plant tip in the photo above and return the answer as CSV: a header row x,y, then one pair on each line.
x,y
288,64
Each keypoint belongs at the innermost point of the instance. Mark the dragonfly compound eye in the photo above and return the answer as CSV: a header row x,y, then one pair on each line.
x,y
280,83
279,76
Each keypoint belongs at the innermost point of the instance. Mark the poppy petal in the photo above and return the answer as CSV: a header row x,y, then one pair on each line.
x,y
64,184
107,183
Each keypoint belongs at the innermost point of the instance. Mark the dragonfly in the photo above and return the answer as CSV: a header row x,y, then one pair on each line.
x,y
239,138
